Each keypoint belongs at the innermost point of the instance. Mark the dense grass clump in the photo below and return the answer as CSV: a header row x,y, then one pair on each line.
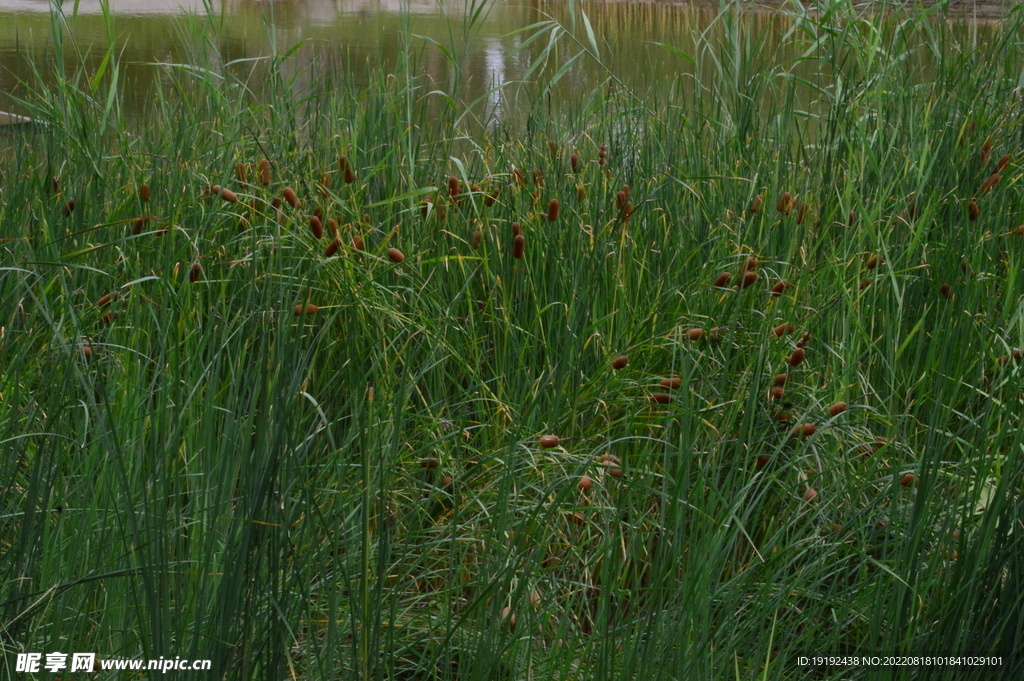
x,y
337,463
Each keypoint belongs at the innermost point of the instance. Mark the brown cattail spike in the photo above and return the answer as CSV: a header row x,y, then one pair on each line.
x,y
755,205
518,178
780,288
805,429
776,393
553,210
671,383
581,194
973,212
549,441
907,479
395,255
289,195
872,262
518,246
748,279
620,362
722,280
574,162
538,178
144,192
797,358
749,265
946,291
241,173
350,177
517,229
864,284
332,248
694,334
992,181
195,272
357,243
1003,162
325,185
68,208
343,164
661,398
783,205
585,483
308,309
851,220
453,189
228,195
553,148
316,227
620,199
802,213
837,409
265,172
810,495
784,328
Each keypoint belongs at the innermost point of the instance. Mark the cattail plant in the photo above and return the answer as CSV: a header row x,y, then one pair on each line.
x,y
139,224
756,204
87,352
660,398
802,213
810,495
396,256
357,243
265,172
620,362
68,208
143,192
195,272
780,288
429,464
518,247
985,149
549,441
872,262
325,185
776,393
574,162
722,280
476,239
804,339
585,483
316,227
627,211
992,181
973,212
907,479
620,199
1003,162
553,206
797,358
780,380
762,460
517,229
864,284
946,291
784,328
837,409
581,194
783,206
289,195
492,197
55,184
106,300
671,383
538,178
851,219
307,309
750,264
241,173
553,148
805,429
694,334
318,212
454,193
332,248
109,317
749,279
518,178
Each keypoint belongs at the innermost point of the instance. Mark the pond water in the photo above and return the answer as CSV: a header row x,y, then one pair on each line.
x,y
360,33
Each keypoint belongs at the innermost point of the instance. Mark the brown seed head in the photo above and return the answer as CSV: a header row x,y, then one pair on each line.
x,y
195,272
325,185
749,279
992,181
907,479
343,164
476,239
518,178
68,208
805,429
620,199
620,362
429,463
946,291
661,398
87,352
864,284
810,495
783,205
837,409
105,300
723,280
241,173
973,212
316,227
395,255
615,471
755,206
802,213
538,178
446,480
574,162
144,192
784,328
985,149
804,339
332,226
357,243
553,148
781,379
780,288
749,265
763,460
797,358
694,334
492,197
308,309
265,172
776,393
289,195
671,383
581,194
872,262
453,189
518,247
332,248
553,210
851,219
350,176
1003,162
585,483
549,441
